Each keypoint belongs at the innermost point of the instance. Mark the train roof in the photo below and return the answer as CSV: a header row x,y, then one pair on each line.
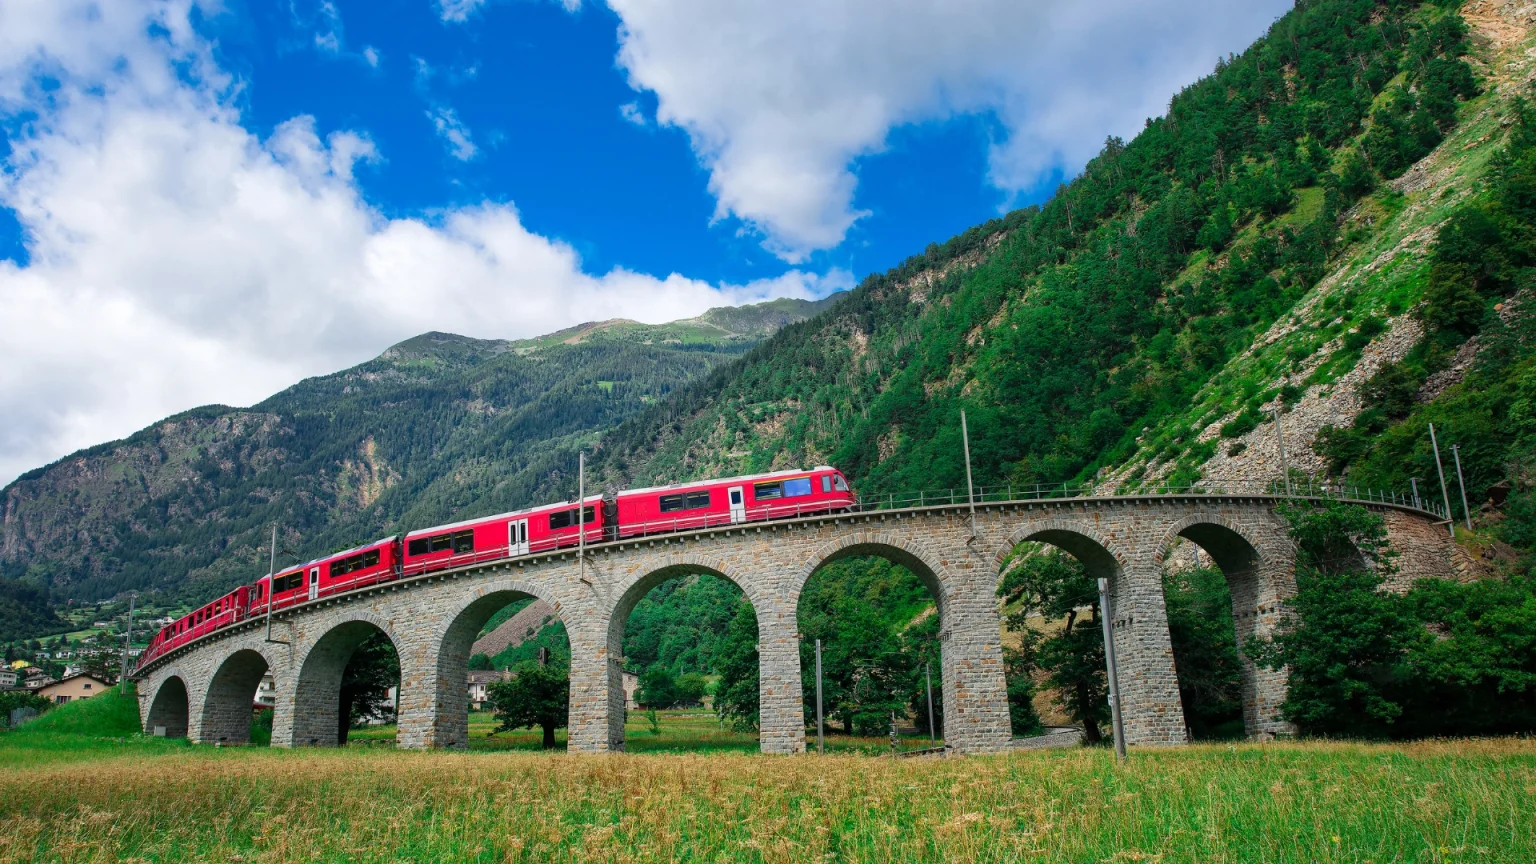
x,y
324,558
724,480
529,511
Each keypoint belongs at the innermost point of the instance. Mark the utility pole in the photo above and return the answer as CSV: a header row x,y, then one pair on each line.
x,y
581,512
1461,484
122,680
1280,439
933,739
970,491
272,585
821,736
1413,483
1114,672
1450,521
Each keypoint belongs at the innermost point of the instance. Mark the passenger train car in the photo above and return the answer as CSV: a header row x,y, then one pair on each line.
x,y
631,513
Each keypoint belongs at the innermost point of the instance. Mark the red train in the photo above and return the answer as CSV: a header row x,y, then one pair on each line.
x,y
631,513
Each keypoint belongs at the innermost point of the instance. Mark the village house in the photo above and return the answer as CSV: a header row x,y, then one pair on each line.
x,y
8,678
72,687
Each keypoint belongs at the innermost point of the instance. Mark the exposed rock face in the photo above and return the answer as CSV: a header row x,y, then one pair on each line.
x,y
515,630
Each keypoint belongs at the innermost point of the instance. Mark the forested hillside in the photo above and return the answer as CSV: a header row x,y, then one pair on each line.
x,y
435,428
1071,331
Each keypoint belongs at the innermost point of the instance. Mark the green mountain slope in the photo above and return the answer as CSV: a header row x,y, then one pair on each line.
x,y
1083,334
435,428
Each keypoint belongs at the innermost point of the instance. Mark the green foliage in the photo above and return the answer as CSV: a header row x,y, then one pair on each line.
x,y
24,611
1054,586
261,728
1019,672
373,668
877,626
691,688
480,663
657,688
536,696
679,624
736,696
1200,628
10,700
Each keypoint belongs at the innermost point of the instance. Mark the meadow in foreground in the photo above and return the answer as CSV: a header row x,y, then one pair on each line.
x,y
76,799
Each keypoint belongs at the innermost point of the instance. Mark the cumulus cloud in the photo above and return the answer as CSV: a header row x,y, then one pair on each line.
x,y
632,113
780,98
176,259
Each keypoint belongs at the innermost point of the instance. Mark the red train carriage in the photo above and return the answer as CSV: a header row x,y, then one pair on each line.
x,y
632,513
751,498
229,609
359,567
506,535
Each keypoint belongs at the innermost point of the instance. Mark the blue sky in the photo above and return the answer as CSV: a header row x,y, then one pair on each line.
x,y
204,201
538,92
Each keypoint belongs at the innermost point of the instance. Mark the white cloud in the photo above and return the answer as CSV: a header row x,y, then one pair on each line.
x,y
779,98
632,113
458,11
176,259
371,56
454,132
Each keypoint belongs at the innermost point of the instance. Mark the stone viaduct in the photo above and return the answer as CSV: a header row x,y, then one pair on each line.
x,y
205,689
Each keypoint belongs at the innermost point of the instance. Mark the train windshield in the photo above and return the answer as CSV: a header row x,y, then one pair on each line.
x,y
839,483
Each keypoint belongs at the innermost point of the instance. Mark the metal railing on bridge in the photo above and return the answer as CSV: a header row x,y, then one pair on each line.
x,y
1301,488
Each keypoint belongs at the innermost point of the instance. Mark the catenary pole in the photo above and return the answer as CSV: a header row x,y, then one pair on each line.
x,y
581,512
933,739
1413,482
1285,469
1450,519
970,491
122,680
1113,670
821,735
1461,484
271,580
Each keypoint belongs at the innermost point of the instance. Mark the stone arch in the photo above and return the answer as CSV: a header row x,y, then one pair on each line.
x,y
1101,555
229,697
1149,693
449,713
317,690
1259,583
774,694
171,707
975,714
909,553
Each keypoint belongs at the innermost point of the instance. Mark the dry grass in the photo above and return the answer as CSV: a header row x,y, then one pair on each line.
x,y
1431,802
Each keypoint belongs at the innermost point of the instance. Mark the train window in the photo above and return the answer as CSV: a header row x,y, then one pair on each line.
x,y
826,482
765,491
457,542
839,483
567,518
685,501
798,487
354,563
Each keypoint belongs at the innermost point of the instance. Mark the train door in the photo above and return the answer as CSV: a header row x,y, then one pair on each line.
x,y
314,583
517,537
738,504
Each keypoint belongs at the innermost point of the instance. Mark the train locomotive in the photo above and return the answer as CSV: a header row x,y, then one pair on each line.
x,y
596,519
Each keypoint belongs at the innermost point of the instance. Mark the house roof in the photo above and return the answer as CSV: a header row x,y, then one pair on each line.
x,y
68,678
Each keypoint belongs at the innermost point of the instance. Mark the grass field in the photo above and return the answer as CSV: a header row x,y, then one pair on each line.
x,y
683,731
70,796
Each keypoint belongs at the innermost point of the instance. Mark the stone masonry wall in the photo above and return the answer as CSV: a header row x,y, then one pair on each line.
x,y
433,619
